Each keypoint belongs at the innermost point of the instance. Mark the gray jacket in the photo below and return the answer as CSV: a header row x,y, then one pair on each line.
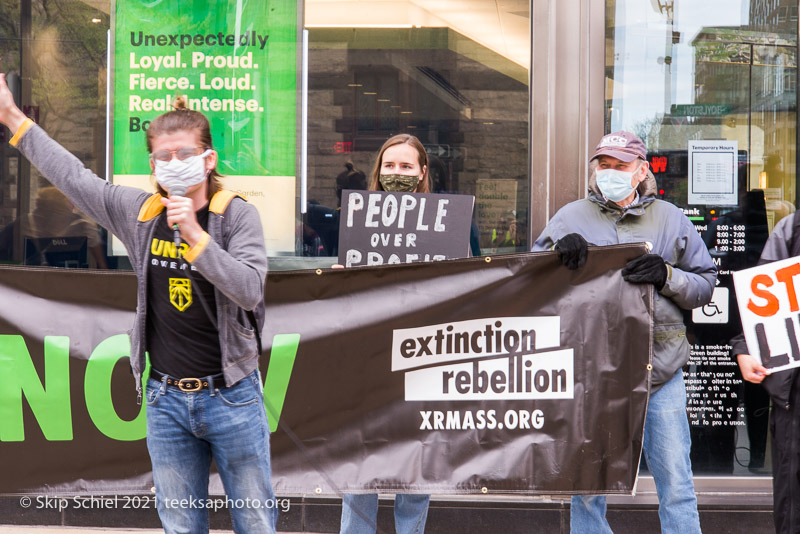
x,y
691,273
233,258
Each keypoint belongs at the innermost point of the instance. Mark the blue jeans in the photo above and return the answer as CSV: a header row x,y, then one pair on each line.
x,y
666,449
360,513
185,430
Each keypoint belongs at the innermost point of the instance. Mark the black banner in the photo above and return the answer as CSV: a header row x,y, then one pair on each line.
x,y
502,374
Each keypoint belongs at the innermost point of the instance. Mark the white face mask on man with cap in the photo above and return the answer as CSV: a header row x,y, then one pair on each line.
x,y
615,184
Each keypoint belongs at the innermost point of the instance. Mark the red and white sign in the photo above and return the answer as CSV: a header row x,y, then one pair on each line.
x,y
770,310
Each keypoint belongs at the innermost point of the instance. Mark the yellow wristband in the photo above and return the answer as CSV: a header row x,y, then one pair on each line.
x,y
21,131
199,247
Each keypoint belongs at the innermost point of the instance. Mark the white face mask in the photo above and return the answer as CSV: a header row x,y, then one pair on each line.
x,y
187,173
615,184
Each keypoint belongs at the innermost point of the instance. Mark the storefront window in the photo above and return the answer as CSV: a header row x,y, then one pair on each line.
x,y
456,78
714,80
55,56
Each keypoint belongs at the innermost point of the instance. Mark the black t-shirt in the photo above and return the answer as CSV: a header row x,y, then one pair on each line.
x,y
181,339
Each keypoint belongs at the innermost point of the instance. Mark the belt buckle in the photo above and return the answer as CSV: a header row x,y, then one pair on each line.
x,y
198,384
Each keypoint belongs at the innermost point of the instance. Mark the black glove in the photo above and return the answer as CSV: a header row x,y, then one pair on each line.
x,y
572,249
646,269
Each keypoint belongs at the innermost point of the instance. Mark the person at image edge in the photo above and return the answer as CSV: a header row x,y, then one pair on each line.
x,y
198,316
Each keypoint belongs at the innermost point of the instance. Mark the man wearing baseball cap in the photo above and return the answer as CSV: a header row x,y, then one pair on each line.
x,y
621,208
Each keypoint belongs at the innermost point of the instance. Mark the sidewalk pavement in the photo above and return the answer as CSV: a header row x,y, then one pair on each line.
x,y
74,530
9,529
71,530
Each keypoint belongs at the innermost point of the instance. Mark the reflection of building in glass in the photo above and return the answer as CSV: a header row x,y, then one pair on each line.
x,y
61,84
751,77
468,105
774,16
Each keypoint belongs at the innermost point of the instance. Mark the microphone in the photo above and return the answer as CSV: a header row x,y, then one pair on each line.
x,y
177,190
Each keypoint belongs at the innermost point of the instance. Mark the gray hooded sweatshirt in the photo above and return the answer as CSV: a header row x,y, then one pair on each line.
x,y
691,274
231,256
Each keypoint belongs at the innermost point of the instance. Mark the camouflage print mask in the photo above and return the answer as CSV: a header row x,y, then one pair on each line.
x,y
399,183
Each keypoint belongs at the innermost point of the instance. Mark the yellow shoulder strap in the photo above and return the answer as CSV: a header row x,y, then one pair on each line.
x,y
151,207
221,199
219,202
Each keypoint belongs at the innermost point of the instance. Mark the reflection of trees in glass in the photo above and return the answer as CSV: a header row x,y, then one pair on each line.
x,y
775,55
732,45
69,59
9,36
9,10
719,52
67,54
738,35
61,60
660,133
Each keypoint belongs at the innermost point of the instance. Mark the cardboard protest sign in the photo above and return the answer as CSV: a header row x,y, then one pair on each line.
x,y
379,227
768,305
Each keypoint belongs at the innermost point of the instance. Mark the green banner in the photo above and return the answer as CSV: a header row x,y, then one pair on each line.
x,y
236,62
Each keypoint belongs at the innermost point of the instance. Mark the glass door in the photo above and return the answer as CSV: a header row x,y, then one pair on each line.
x,y
711,88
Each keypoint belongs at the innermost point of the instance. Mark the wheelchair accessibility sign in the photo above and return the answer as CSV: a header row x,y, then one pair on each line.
x,y
715,311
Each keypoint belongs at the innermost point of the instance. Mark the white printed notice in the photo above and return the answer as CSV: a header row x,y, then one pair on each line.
x,y
768,306
713,173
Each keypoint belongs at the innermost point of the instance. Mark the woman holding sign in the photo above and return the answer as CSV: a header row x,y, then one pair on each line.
x,y
401,166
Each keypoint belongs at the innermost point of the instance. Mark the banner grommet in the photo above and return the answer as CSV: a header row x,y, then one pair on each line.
x,y
319,271
484,489
649,366
488,259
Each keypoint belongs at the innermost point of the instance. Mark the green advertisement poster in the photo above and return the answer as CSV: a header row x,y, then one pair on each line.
x,y
236,62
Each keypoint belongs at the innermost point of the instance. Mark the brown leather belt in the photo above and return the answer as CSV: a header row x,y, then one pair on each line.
x,y
189,384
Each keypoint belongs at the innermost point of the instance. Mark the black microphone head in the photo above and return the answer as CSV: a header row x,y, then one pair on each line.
x,y
177,190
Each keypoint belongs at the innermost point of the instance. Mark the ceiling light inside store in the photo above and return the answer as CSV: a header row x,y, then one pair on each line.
x,y
383,26
96,20
384,100
502,26
368,93
354,85
406,112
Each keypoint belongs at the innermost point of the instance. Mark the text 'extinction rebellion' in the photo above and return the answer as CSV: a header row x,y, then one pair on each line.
x,y
485,359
